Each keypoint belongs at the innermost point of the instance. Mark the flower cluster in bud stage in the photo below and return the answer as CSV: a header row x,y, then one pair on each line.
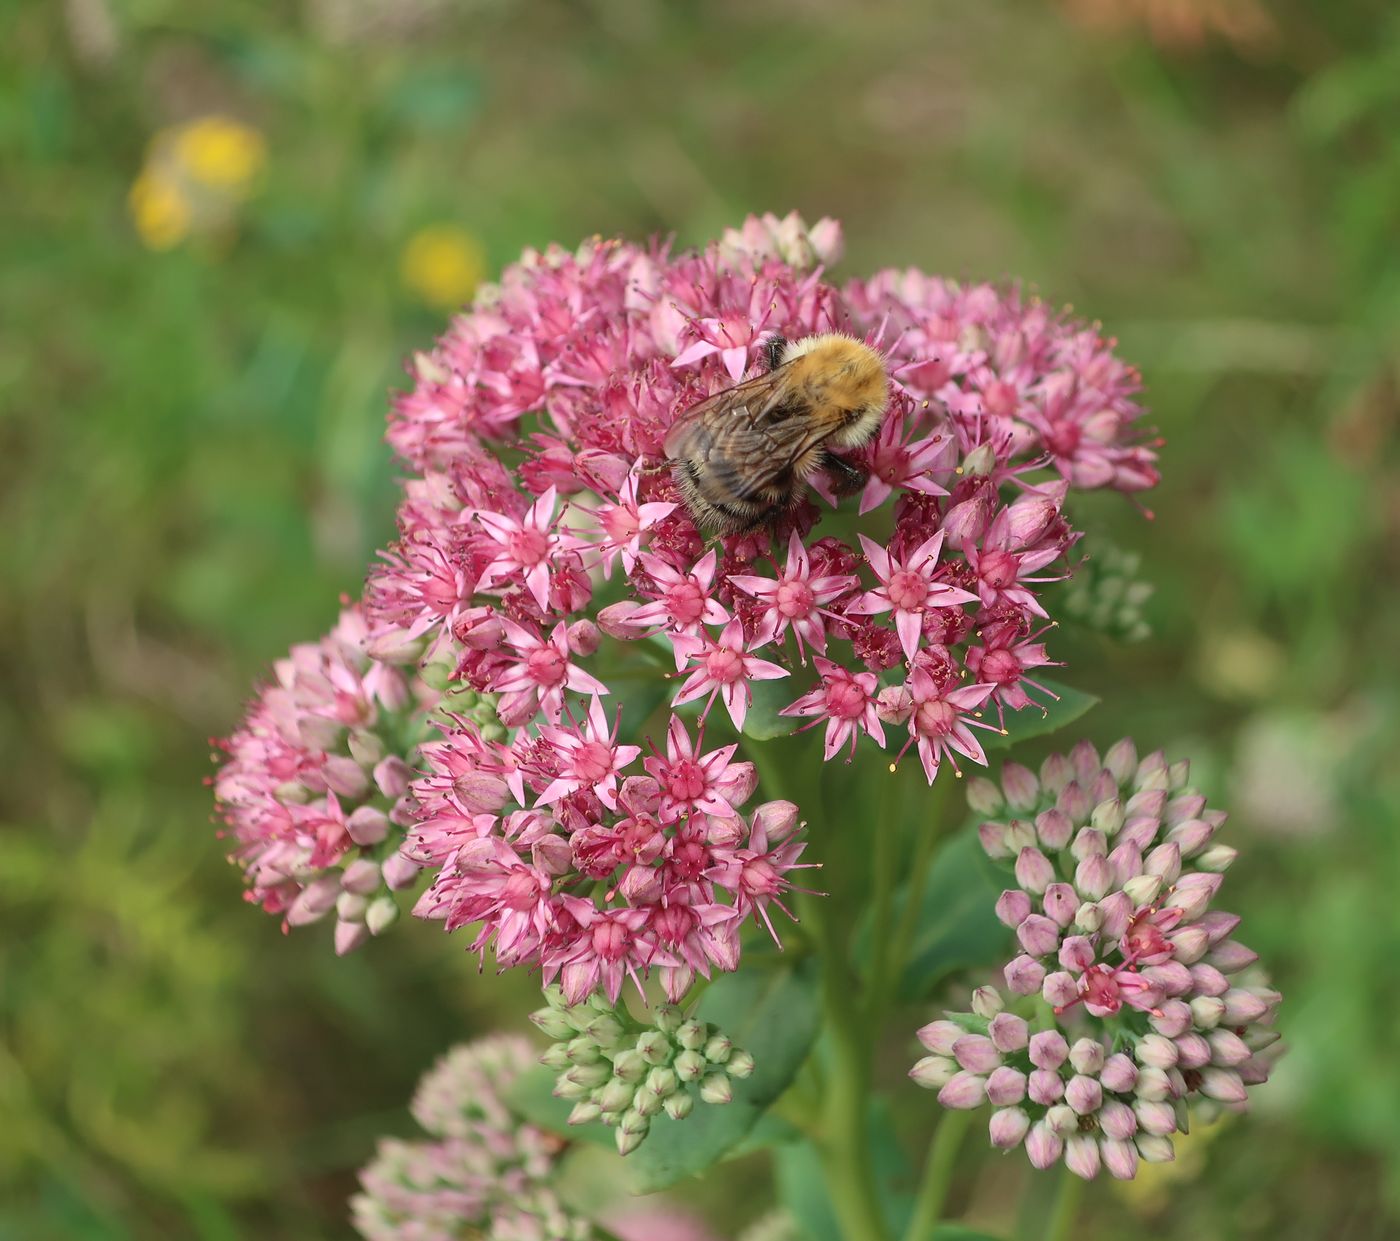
x,y
1107,595
486,1173
1125,1004
614,1069
315,789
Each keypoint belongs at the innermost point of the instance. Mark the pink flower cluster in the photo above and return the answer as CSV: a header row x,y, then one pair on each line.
x,y
1123,1006
485,1170
544,553
315,789
574,854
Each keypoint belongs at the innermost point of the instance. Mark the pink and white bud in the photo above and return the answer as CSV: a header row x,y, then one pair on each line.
x,y
400,871
1191,836
1154,1148
1120,1157
963,1091
779,819
994,840
1060,989
1060,903
1056,772
976,1053
583,637
1172,1018
1153,1085
349,936
1223,1085
939,1036
1030,515
1024,975
1189,944
1192,1051
1038,935
1048,1049
1153,1051
1192,895
1020,786
1082,1156
1119,1074
1043,1146
1217,858
983,797
361,876
1013,907
1207,1011
1054,829
1121,759
1230,956
381,914
1008,1032
1207,980
1088,918
1125,862
1008,1127
1005,1086
1033,870
345,777
1077,954
1165,862
367,826
1142,890
1073,800
1045,1086
392,776
987,1002
1087,1055
1157,1117
933,1072
1107,817
1063,1120
1089,843
1242,1007
1117,1119
1084,1094
1227,1049
1219,925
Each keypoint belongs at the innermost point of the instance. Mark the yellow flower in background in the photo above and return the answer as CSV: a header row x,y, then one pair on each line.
x,y
442,264
196,176
220,152
159,210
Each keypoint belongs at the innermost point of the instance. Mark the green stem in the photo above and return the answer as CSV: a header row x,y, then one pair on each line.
x,y
938,1175
1060,1226
844,1148
929,832
886,828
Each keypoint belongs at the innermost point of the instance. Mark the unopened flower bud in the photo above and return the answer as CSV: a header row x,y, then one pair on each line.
x,y
933,1072
715,1087
692,1034
983,797
1120,1157
399,871
1155,1149
349,936
987,1002
740,1064
381,914
690,1065
1053,829
552,1024
963,1091
1143,890
367,826
1013,907
1008,1032
1060,989
588,1076
1217,858
679,1105
1020,786
1088,918
1107,817
350,907
654,1047
584,1112
631,1132
616,1096
1043,1146
1082,1155
1024,975
1033,871
1007,1127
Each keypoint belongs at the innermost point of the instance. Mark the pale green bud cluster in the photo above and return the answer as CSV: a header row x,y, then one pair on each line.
x,y
614,1069
1106,595
465,703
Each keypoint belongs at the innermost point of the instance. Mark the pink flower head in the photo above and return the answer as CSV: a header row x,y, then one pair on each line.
x,y
588,757
689,783
625,524
722,667
541,669
525,546
907,587
796,598
847,701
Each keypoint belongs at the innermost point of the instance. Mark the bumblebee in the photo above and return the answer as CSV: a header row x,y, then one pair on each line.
x,y
743,457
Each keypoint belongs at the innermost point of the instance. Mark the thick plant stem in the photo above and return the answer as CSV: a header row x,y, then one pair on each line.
x,y
886,831
844,1147
1060,1226
938,1175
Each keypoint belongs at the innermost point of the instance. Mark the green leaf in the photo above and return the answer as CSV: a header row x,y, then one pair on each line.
x,y
773,1015
1032,721
957,927
531,1096
763,722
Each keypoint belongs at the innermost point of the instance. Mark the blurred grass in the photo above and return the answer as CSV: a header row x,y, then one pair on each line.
x,y
191,473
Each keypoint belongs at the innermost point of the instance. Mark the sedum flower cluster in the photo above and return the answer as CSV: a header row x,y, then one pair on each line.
x,y
546,570
486,1173
617,1070
1129,1000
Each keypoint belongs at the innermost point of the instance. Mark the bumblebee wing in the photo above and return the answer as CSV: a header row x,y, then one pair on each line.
x,y
745,437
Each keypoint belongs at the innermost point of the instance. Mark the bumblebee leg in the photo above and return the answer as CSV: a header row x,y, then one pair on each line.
x,y
846,477
773,351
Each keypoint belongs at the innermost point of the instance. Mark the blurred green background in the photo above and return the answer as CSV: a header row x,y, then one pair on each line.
x,y
200,324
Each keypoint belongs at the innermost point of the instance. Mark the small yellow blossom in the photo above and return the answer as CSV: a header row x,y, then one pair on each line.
x,y
160,212
220,152
442,264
